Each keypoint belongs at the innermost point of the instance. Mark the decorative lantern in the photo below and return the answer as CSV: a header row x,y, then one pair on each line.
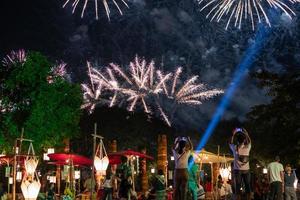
x,y
101,160
101,164
10,180
31,164
77,174
19,176
30,189
30,185
49,151
152,171
225,170
265,170
52,179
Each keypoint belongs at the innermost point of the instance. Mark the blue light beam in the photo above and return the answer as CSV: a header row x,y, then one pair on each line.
x,y
246,63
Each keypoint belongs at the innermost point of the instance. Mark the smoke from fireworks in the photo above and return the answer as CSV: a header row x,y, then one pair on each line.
x,y
142,85
239,10
105,3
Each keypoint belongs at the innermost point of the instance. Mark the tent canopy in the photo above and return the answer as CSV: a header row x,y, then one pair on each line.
x,y
204,156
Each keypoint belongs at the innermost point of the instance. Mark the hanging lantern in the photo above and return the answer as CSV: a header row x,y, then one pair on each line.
x,y
225,172
52,179
265,170
19,176
77,174
49,151
30,189
101,164
31,164
10,180
101,160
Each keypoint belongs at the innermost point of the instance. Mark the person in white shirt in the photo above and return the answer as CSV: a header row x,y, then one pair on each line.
x,y
181,151
241,152
276,179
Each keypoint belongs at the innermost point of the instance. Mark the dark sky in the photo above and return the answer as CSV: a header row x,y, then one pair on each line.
x,y
171,32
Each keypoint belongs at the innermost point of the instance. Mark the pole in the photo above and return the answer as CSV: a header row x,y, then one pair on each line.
x,y
14,172
93,167
15,162
58,174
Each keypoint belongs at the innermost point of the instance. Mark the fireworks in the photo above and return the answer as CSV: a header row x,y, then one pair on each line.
x,y
191,92
142,85
104,2
14,57
238,10
59,70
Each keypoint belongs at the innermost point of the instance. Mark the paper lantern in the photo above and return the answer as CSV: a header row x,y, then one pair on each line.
x,y
225,172
77,174
30,165
101,164
19,176
49,151
265,170
152,170
10,180
30,189
52,179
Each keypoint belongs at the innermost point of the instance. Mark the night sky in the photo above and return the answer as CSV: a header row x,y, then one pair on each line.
x,y
172,32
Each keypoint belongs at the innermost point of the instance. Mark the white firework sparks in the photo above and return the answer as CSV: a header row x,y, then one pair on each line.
x,y
238,10
14,57
105,3
92,93
191,92
59,70
142,85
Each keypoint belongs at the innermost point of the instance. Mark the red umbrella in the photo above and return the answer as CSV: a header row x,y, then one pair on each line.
x,y
65,158
114,160
130,153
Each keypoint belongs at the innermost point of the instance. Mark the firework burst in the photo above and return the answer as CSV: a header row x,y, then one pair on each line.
x,y
142,85
191,92
238,10
59,70
105,3
14,57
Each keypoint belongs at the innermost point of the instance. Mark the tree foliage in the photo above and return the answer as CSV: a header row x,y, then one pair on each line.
x,y
48,112
277,125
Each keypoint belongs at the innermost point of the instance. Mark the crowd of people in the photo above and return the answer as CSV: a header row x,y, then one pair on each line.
x,y
275,184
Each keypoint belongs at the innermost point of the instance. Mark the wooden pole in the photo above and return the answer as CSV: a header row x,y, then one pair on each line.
x,y
93,166
16,151
162,159
58,177
144,175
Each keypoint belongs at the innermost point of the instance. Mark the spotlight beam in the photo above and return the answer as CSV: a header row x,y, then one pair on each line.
x,y
246,63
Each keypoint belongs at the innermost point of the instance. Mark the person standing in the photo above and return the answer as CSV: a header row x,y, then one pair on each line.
x,y
108,186
125,173
289,179
181,152
160,186
193,178
276,179
241,152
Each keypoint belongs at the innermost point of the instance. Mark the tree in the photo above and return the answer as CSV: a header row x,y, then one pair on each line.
x,y
276,126
48,110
